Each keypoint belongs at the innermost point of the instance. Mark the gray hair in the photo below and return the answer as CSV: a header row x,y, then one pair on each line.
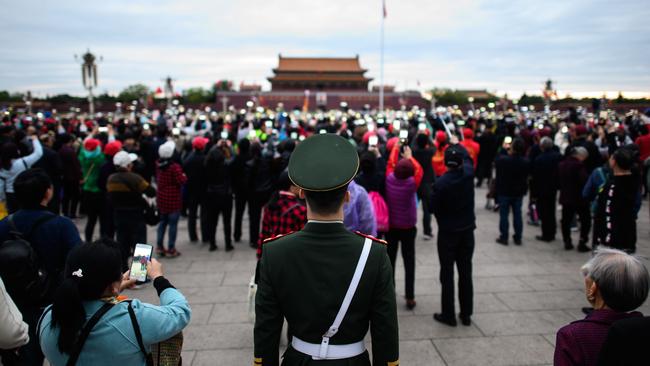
x,y
546,143
622,278
580,151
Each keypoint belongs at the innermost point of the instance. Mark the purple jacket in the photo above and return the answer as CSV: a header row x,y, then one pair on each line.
x,y
579,343
359,214
401,199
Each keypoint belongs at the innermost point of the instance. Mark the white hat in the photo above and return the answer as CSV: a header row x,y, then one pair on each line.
x,y
166,150
123,159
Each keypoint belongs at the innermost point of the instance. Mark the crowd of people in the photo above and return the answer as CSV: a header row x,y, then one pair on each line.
x,y
126,171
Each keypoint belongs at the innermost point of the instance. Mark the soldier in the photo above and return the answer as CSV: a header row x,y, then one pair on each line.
x,y
329,283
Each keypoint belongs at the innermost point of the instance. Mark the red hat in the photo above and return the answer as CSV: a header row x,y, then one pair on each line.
x,y
468,133
91,144
366,136
112,148
391,143
581,130
404,169
441,136
199,143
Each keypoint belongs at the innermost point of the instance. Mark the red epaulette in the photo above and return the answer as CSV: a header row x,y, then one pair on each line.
x,y
371,237
276,237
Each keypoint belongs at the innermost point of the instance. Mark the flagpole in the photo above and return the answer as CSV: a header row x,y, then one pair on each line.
x,y
381,59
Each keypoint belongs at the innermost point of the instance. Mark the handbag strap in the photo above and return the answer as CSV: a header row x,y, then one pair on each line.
x,y
85,332
138,335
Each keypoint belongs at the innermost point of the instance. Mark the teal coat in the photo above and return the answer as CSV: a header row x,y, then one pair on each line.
x,y
112,341
304,277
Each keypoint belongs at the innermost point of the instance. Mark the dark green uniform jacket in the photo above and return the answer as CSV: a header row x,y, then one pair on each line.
x,y
304,277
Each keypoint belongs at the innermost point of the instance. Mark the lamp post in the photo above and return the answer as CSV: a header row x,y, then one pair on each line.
x,y
89,77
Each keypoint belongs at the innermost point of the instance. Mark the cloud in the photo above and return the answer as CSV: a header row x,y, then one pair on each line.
x,y
584,45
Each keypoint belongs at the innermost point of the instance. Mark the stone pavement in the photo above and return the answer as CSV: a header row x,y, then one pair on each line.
x,y
522,296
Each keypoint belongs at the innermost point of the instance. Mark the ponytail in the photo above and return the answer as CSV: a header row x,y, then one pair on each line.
x,y
68,313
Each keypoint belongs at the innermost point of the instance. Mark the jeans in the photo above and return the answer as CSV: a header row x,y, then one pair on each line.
x,y
170,219
131,229
407,238
456,247
505,203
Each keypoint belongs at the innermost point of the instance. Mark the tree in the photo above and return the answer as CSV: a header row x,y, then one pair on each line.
x,y
133,92
447,97
223,85
197,95
526,99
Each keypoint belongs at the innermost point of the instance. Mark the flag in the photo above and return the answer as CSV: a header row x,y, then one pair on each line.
x,y
383,3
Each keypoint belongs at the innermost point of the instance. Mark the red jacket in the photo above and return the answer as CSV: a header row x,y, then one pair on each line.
x,y
644,146
394,158
170,181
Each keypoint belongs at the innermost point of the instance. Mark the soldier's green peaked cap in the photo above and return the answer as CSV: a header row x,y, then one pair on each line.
x,y
323,162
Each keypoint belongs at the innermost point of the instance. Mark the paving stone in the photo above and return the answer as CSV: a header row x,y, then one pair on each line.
x,y
193,280
519,323
230,313
243,356
237,278
483,303
201,313
419,353
543,300
419,327
495,351
216,336
554,282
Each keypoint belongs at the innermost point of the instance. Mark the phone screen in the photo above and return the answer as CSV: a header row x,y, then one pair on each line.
x,y
404,134
372,140
508,140
224,135
141,255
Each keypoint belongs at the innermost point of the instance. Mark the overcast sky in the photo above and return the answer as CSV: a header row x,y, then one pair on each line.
x,y
585,46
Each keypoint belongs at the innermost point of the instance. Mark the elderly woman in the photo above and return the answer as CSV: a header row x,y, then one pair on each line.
x,y
616,283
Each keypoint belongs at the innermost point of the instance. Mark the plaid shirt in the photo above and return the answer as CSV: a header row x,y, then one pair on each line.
x,y
286,216
170,181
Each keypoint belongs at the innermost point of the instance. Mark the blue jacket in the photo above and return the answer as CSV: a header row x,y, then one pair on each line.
x,y
112,341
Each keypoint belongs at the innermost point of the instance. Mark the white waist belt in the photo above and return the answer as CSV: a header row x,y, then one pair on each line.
x,y
334,351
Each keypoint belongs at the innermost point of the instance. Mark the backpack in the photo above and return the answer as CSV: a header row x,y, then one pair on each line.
x,y
381,211
20,269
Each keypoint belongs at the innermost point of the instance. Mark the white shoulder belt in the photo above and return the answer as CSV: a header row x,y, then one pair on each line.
x,y
325,351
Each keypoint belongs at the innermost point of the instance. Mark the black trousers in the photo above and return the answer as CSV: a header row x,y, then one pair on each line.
x,y
424,194
255,204
107,220
193,204
216,204
93,203
131,229
546,210
407,238
240,205
458,248
70,199
29,354
584,215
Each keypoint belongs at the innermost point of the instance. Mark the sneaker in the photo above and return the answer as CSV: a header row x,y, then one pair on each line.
x,y
516,240
502,241
173,253
568,246
541,238
427,237
229,248
444,320
213,247
583,248
160,252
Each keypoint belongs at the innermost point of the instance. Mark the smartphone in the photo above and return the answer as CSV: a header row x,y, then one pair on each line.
x,y
103,129
176,131
224,135
372,140
294,135
141,255
507,140
422,126
403,135
252,134
269,124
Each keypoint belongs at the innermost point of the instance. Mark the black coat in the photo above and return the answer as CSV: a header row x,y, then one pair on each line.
x,y
194,169
572,178
626,343
424,156
512,175
544,171
452,201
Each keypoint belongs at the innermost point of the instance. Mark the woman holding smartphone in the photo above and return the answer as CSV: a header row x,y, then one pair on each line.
x,y
90,291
